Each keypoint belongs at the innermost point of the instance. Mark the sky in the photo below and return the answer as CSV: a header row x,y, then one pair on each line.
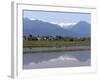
x,y
61,18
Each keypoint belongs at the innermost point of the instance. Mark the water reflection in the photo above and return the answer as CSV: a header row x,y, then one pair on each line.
x,y
63,59
54,48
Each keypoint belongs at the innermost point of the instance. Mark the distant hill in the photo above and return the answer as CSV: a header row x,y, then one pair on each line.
x,y
38,27
82,28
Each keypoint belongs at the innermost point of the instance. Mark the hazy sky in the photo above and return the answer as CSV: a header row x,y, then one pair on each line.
x,y
57,17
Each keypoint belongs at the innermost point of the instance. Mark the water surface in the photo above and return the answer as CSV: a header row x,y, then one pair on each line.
x,y
54,60
54,48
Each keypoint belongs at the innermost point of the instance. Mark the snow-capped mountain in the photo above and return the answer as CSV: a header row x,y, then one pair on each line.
x,y
38,27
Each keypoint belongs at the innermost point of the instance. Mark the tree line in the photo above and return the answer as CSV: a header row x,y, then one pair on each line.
x,y
57,37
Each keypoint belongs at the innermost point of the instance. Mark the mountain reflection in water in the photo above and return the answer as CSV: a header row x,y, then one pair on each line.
x,y
53,60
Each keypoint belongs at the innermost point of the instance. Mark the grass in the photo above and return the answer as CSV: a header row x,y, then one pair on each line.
x,y
42,43
52,51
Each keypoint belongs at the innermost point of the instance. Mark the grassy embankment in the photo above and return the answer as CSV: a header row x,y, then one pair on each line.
x,y
30,44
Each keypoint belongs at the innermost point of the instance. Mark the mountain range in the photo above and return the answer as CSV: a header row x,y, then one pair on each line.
x,y
39,27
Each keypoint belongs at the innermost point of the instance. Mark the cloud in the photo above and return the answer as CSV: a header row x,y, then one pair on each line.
x,y
64,24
